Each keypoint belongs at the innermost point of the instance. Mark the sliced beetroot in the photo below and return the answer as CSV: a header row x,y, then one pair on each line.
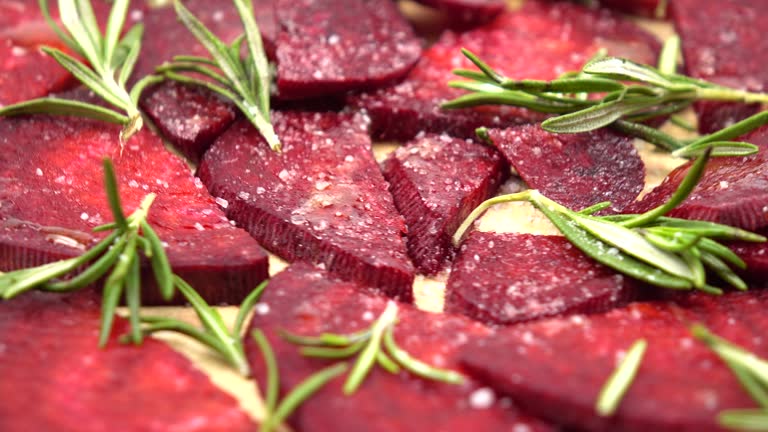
x,y
575,170
723,41
27,73
648,8
755,255
540,41
52,195
309,301
733,190
332,46
556,368
192,117
510,278
436,182
322,199
56,378
462,13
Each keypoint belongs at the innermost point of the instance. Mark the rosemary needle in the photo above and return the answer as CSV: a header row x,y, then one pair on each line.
x,y
375,345
109,63
668,252
618,383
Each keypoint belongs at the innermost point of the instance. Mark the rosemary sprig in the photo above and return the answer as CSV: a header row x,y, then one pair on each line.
x,y
375,345
752,373
117,257
610,91
277,413
668,252
110,61
246,82
618,383
214,334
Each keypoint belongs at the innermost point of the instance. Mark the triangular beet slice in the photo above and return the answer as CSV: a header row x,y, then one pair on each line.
x,y
723,41
733,190
28,73
556,368
323,199
332,46
52,195
575,170
308,301
437,181
510,278
540,41
56,378
461,13
192,117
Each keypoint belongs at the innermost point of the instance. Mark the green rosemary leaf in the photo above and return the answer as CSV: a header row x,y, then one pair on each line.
x,y
126,61
114,27
228,94
133,300
682,123
85,75
509,97
197,68
620,380
714,248
595,117
722,270
204,61
473,75
565,85
675,241
142,84
755,388
626,70
735,130
670,54
97,269
55,106
159,260
332,352
158,324
648,134
594,208
302,392
692,258
113,289
77,26
113,194
487,70
416,366
386,363
273,377
707,229
247,306
55,26
24,280
745,419
732,354
719,148
368,356
325,338
257,56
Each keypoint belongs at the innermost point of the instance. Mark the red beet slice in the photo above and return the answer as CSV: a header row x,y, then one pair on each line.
x,y
309,301
192,117
755,255
555,368
56,378
322,199
52,195
648,8
576,170
27,73
541,41
723,41
467,12
510,278
332,46
733,190
437,181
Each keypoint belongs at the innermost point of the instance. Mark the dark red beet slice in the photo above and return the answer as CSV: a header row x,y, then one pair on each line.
x,y
555,368
56,378
332,46
755,255
467,12
437,181
733,190
723,41
576,170
510,278
540,41
192,117
309,301
27,73
322,199
52,195
649,8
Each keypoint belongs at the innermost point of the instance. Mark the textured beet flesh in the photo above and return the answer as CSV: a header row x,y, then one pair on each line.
x,y
192,117
541,41
322,199
510,278
331,46
467,12
52,195
575,170
555,368
733,190
27,73
649,8
436,182
724,42
308,301
56,378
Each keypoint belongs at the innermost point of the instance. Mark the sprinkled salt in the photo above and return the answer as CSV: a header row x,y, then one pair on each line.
x,y
482,398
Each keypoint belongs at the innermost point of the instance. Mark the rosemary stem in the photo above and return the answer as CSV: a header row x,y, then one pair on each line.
x,y
485,205
731,95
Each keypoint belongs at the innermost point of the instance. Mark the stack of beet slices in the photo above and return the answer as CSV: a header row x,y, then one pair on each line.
x,y
533,325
